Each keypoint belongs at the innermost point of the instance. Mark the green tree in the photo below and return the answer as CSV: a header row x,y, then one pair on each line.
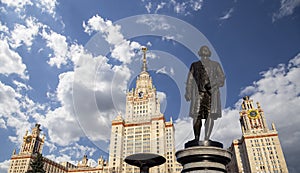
x,y
37,164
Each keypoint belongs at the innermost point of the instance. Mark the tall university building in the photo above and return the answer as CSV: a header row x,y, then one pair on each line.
x,y
145,130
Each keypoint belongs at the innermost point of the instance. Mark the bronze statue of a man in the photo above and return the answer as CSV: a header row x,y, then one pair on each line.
x,y
202,89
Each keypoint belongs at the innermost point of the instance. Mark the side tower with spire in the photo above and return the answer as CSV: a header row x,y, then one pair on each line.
x,y
32,144
259,149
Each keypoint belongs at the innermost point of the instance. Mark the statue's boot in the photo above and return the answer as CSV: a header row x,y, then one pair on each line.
x,y
197,128
209,124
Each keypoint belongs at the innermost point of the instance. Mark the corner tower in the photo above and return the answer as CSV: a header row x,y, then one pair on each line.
x,y
259,148
32,143
252,118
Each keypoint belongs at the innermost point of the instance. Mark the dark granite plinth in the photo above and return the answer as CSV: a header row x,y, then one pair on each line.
x,y
203,157
207,143
145,161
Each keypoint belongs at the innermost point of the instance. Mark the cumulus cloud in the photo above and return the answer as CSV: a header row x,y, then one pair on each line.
x,y
22,34
4,165
11,61
78,151
60,158
47,6
3,28
179,7
10,111
122,49
155,23
19,6
183,132
287,7
58,43
2,124
89,98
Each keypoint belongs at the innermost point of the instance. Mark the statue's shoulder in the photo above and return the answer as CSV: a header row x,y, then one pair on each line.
x,y
197,64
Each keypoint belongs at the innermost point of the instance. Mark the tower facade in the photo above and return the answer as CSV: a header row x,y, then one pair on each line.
x,y
259,149
32,143
143,130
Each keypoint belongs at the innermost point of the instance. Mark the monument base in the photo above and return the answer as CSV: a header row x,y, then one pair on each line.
x,y
203,157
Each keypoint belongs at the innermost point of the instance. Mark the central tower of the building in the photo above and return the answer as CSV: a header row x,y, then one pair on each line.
x,y
144,129
141,102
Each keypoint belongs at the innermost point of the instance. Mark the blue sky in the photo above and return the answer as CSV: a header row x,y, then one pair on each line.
x,y
67,65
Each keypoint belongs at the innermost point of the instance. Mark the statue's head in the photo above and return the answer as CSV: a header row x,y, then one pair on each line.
x,y
204,52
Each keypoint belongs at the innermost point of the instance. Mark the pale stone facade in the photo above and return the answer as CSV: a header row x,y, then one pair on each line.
x,y
259,149
143,130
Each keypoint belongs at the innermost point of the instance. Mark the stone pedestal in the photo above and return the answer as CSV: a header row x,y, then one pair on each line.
x,y
203,157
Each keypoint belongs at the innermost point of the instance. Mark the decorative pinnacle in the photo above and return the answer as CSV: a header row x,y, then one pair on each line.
x,y
144,68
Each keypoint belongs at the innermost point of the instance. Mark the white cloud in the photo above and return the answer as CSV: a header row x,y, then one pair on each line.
x,y
168,37
25,34
78,151
160,6
183,132
123,50
196,5
47,6
149,44
287,7
227,15
2,124
162,70
4,165
179,7
58,43
10,111
3,28
89,97
20,5
21,85
11,61
162,98
155,23
148,7
172,71
60,158
17,4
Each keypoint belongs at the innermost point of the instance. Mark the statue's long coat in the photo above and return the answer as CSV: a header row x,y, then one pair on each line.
x,y
203,82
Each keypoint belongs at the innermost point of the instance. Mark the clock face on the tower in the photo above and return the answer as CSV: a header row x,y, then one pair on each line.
x,y
28,139
141,94
253,113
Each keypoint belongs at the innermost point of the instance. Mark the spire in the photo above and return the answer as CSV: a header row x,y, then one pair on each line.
x,y
144,67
